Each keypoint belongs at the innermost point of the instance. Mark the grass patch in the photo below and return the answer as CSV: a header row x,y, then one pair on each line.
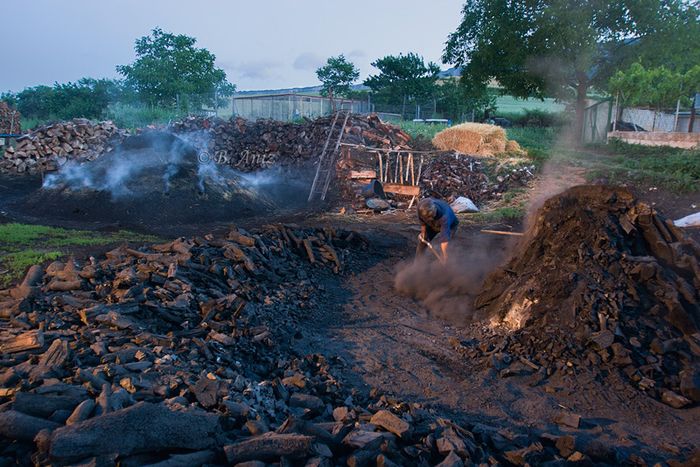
x,y
498,215
14,264
510,104
425,130
26,234
673,169
23,245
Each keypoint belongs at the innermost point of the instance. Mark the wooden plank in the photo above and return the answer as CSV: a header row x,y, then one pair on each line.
x,y
363,174
409,190
501,232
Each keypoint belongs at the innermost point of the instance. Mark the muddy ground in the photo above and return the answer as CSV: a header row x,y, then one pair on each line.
x,y
391,343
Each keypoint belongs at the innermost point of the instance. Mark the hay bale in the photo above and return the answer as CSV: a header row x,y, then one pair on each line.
x,y
512,147
456,139
478,139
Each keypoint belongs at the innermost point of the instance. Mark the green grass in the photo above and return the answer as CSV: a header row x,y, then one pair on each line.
x,y
538,141
424,130
25,234
13,265
498,215
23,245
673,169
513,105
677,170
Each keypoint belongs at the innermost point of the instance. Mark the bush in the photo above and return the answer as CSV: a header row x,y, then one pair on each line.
x,y
139,116
537,118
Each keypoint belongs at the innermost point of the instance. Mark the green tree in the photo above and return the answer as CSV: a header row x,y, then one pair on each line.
x,y
169,67
561,47
403,79
657,87
86,98
336,76
457,101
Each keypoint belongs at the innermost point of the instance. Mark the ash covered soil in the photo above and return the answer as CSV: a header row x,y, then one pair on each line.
x,y
321,354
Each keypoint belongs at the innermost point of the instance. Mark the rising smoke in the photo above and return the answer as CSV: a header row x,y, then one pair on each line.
x,y
179,167
135,165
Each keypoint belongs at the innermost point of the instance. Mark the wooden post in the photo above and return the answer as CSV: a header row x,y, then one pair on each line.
x,y
675,118
381,176
396,169
420,168
388,163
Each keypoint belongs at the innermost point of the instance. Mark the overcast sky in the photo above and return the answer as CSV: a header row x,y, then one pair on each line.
x,y
261,44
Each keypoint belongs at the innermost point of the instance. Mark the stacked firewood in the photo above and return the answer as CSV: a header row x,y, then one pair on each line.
x,y
48,147
250,146
10,120
449,175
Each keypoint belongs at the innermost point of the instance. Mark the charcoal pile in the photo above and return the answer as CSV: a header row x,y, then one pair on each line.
x,y
250,146
48,147
113,344
602,284
178,354
449,175
10,120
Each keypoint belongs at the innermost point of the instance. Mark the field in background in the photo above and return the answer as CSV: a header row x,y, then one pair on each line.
x,y
512,105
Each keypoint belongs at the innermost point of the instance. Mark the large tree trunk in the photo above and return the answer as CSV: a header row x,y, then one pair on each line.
x,y
581,95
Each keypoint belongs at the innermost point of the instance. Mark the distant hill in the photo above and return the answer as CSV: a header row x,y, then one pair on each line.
x,y
449,73
302,90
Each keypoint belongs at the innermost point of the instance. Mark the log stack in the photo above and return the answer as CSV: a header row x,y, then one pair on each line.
x,y
48,147
250,146
10,120
449,175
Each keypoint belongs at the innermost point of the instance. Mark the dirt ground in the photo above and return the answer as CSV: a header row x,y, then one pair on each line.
x,y
382,340
391,343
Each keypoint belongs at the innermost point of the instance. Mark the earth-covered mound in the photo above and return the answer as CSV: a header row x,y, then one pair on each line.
x,y
603,281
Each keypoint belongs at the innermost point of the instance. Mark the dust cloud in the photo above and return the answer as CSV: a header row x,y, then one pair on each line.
x,y
448,290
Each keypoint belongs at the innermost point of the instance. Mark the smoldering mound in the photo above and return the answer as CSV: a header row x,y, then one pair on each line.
x,y
158,178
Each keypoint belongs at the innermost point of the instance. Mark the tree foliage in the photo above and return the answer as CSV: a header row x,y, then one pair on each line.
x,y
86,98
336,76
562,47
657,87
403,78
456,102
169,67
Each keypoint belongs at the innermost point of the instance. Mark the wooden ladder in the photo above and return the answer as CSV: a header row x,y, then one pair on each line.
x,y
326,161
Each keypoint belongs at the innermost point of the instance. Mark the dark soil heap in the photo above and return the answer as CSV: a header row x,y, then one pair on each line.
x,y
150,179
603,282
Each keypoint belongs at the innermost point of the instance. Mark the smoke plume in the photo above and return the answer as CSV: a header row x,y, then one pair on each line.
x,y
448,290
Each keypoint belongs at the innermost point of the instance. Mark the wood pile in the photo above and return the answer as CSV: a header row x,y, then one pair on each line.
x,y
48,147
449,175
443,175
10,120
250,146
